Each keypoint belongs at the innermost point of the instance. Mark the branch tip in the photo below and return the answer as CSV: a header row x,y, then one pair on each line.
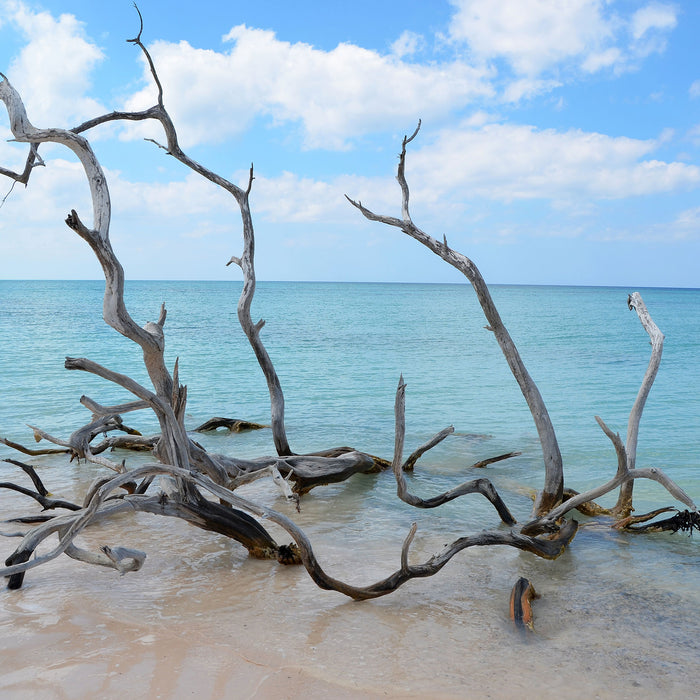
x,y
408,139
137,40
251,177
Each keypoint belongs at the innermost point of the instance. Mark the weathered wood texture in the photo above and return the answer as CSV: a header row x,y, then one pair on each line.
x,y
656,337
553,487
482,486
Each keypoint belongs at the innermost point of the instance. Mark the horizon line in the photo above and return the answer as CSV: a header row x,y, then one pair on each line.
x,y
457,283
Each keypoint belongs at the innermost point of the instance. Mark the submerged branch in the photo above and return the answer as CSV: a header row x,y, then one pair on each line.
x,y
482,486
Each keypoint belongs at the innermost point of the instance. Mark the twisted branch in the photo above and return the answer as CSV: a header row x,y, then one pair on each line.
x,y
482,486
552,490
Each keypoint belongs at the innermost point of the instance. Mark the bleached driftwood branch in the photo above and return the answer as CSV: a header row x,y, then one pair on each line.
x,y
482,486
99,508
656,338
552,490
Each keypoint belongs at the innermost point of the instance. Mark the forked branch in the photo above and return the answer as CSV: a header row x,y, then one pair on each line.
x,y
100,508
624,503
482,486
552,490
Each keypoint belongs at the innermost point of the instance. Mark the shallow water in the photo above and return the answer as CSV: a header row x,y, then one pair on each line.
x,y
618,613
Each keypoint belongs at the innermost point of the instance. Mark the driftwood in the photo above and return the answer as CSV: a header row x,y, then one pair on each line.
x,y
234,425
482,486
98,508
521,598
40,495
656,337
551,493
198,486
31,452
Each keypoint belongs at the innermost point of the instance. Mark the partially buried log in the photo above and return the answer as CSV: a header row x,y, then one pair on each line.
x,y
521,598
234,425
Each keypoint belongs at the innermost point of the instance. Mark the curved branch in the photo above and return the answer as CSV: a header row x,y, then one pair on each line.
x,y
411,460
482,486
252,330
29,451
33,160
552,490
656,337
97,508
246,261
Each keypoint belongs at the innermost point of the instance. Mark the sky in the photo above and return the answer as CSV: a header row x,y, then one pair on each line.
x,y
560,139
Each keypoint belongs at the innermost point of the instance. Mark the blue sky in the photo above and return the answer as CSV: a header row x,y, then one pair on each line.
x,y
560,140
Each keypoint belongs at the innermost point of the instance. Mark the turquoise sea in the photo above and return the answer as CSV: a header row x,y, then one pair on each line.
x,y
619,613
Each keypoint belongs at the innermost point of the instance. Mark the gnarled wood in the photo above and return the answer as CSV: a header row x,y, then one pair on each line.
x,y
656,337
553,487
99,507
482,486
234,425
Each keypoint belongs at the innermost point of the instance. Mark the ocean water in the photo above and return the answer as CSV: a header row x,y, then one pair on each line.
x,y
618,612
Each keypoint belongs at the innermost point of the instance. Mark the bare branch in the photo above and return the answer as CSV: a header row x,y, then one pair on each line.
x,y
30,452
45,501
492,460
99,410
419,452
482,486
552,491
634,301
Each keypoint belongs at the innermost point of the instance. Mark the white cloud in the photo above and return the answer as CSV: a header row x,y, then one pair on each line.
x,y
687,224
510,162
335,95
653,17
52,71
532,35
537,36
694,89
598,60
407,44
694,134
526,88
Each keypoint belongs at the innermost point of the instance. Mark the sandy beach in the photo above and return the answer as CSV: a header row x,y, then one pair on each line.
x,y
214,624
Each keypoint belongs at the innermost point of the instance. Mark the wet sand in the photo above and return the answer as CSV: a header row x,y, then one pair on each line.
x,y
202,620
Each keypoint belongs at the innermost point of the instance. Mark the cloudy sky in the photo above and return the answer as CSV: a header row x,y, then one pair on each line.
x,y
560,140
